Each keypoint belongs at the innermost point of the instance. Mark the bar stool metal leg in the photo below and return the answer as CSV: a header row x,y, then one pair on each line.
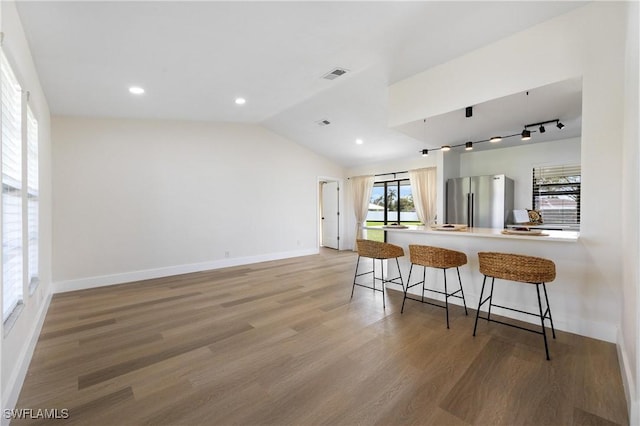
x,y
404,299
354,277
480,302
490,299
553,330
400,275
464,302
373,261
544,333
446,296
382,269
424,281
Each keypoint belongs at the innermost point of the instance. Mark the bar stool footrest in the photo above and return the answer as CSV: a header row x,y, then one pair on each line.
x,y
384,280
511,325
367,286
430,303
537,315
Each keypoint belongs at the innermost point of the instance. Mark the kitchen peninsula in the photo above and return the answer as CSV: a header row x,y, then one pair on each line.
x,y
546,235
564,248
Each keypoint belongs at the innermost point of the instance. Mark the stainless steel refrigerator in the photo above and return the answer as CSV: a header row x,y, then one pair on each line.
x,y
480,201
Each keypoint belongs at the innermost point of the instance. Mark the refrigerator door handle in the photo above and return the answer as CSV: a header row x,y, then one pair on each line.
x,y
473,210
469,208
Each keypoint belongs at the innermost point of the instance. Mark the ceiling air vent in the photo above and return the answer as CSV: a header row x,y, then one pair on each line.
x,y
323,123
338,72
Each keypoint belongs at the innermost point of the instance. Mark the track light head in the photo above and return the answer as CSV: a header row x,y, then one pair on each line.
x,y
468,146
445,148
542,129
526,135
559,125
425,152
495,139
468,112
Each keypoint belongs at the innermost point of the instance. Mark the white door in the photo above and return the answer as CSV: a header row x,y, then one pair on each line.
x,y
330,215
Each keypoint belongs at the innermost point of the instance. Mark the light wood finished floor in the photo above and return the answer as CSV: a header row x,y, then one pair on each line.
x,y
280,343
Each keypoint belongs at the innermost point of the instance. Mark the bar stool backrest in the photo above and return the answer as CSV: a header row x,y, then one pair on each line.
x,y
517,267
378,250
436,257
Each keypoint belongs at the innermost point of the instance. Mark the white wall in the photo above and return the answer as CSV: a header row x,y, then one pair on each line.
x,y
136,199
630,318
19,342
588,42
518,162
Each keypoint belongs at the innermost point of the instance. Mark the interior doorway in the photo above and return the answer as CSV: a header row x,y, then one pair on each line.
x,y
329,206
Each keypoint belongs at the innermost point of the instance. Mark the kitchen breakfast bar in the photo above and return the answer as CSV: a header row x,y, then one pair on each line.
x,y
561,247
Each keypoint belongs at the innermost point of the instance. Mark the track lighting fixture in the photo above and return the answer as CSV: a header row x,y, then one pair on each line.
x,y
468,112
541,125
525,135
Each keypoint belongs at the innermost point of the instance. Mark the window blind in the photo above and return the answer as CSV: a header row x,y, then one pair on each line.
x,y
556,193
32,199
11,123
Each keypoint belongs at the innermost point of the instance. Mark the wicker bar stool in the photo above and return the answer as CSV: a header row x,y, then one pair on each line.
x,y
380,251
520,268
440,258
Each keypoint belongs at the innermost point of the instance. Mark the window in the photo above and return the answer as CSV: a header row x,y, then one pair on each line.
x,y
391,202
556,193
32,200
12,253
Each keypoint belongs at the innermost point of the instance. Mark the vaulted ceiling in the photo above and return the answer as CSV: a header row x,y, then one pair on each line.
x,y
194,58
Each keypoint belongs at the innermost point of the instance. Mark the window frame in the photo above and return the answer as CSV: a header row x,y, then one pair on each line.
x,y
32,193
13,185
386,184
565,176
394,184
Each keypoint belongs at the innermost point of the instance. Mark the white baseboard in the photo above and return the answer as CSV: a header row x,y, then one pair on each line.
x,y
14,384
126,277
628,382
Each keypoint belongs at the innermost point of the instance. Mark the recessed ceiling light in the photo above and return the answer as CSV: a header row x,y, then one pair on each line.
x,y
241,101
136,90
359,141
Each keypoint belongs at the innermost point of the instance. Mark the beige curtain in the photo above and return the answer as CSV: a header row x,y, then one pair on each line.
x,y
361,192
423,188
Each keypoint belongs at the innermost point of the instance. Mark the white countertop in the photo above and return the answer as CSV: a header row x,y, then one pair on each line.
x,y
547,235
